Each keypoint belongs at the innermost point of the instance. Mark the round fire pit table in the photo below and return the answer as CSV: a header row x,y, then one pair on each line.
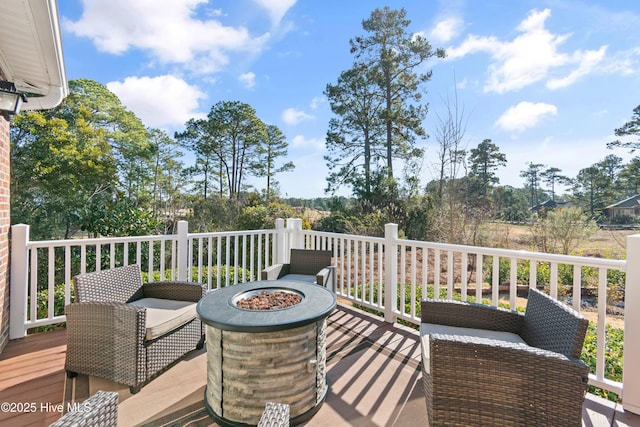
x,y
260,356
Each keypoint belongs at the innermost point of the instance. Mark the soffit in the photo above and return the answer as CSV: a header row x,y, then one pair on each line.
x,y
31,52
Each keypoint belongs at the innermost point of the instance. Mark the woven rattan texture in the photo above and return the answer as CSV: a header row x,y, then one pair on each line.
x,y
569,328
275,415
99,410
307,261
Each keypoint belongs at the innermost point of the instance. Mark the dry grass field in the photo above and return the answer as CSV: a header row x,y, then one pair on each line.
x,y
609,244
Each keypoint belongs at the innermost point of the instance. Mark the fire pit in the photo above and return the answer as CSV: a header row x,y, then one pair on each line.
x,y
274,354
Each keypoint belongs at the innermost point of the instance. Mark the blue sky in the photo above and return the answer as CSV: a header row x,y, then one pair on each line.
x,y
546,81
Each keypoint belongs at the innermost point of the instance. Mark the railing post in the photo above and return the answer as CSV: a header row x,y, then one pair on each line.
x,y
19,282
280,242
294,225
390,272
631,373
183,250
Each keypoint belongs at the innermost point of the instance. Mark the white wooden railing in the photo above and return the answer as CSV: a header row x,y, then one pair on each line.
x,y
387,274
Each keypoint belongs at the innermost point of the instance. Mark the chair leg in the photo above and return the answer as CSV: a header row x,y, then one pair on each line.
x,y
135,389
200,343
71,374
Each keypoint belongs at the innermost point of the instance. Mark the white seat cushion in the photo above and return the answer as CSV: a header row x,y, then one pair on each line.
x,y
432,328
165,315
306,278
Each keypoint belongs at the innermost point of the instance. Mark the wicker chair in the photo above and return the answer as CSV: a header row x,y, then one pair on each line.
x,y
126,331
483,365
305,265
99,410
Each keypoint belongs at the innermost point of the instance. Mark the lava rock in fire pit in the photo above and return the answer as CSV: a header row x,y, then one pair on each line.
x,y
265,300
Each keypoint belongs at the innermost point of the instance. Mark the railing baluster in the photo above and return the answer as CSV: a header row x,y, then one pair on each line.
x,y
495,282
463,275
513,283
450,273
553,280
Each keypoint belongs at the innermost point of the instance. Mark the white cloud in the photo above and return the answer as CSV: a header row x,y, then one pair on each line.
x,y
247,79
446,30
530,57
316,102
160,102
291,116
276,8
525,115
311,144
588,62
169,30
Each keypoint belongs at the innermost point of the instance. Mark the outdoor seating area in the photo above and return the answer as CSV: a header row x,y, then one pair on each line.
x,y
373,370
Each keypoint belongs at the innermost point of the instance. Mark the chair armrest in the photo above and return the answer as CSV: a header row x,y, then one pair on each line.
x,y
105,339
470,315
323,276
175,290
275,272
101,409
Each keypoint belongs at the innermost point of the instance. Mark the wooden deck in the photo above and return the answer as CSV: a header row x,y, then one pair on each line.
x,y
373,369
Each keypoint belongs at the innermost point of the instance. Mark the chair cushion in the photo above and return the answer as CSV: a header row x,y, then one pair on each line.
x,y
165,315
299,278
431,328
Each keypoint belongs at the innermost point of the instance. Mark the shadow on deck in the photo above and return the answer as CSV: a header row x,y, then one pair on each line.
x,y
372,368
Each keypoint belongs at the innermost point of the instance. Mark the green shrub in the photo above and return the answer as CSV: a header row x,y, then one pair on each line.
x,y
43,307
614,339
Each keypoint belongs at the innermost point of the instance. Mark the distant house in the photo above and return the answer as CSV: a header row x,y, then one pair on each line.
x,y
627,210
549,205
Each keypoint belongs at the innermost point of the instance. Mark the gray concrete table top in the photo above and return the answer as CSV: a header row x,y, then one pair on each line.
x,y
217,308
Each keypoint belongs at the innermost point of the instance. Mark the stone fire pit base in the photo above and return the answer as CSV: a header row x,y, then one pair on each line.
x,y
260,356
285,367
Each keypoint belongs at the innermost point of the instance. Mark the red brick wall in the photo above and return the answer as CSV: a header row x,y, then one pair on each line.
x,y
5,223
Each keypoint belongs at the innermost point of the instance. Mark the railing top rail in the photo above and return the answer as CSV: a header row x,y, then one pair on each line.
x,y
344,236
99,241
230,233
521,254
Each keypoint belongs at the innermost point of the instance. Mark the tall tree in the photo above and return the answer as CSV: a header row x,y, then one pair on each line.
x,y
393,56
355,135
55,170
588,188
198,137
449,132
484,162
239,134
168,174
551,176
630,128
87,151
629,177
93,103
273,148
532,176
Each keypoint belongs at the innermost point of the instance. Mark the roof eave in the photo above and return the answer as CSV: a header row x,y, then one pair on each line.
x,y
31,53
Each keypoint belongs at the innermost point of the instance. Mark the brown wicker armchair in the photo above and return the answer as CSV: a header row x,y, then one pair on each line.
x,y
305,265
483,365
126,331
